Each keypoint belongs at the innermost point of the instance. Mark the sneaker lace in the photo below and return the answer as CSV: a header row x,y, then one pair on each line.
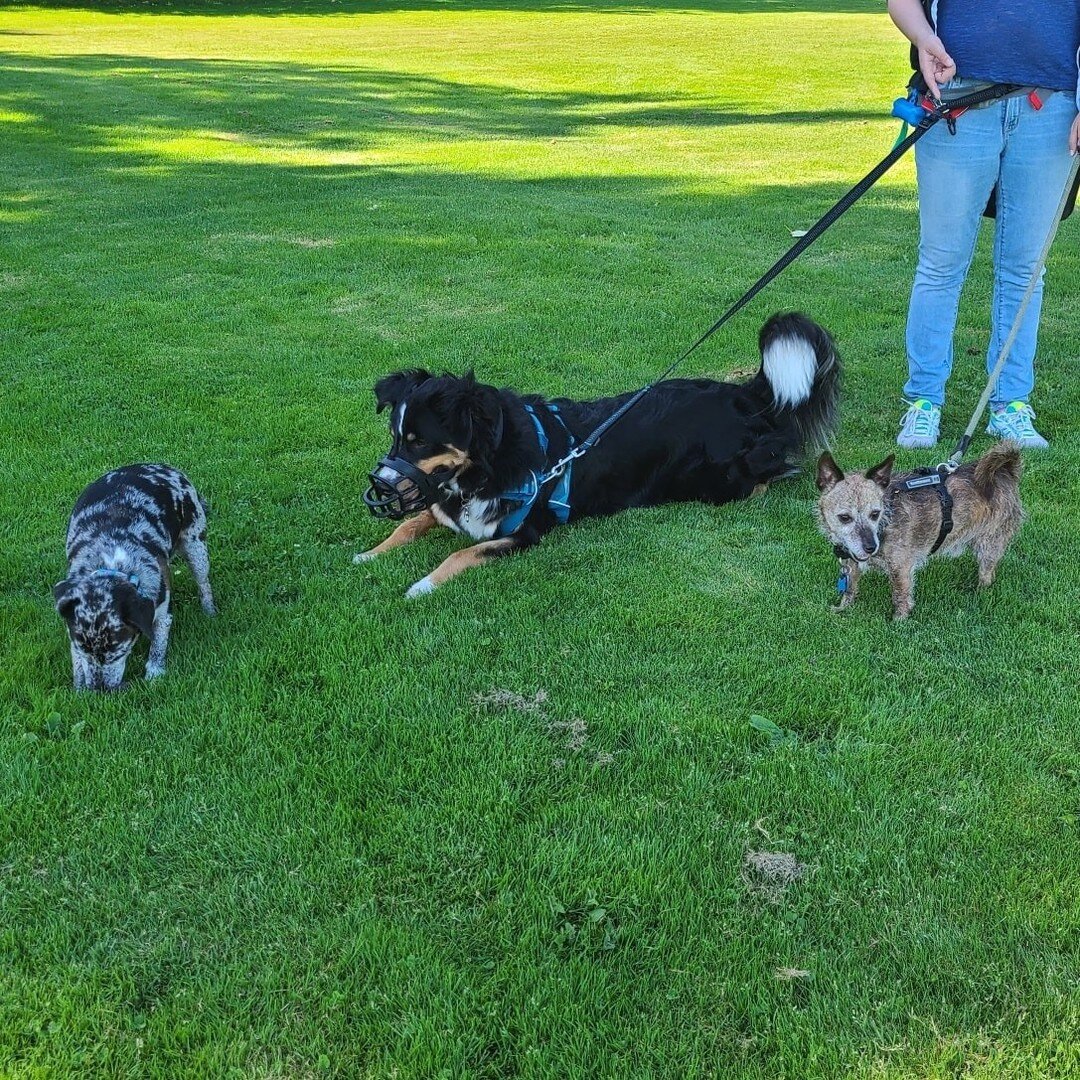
x,y
1020,421
919,421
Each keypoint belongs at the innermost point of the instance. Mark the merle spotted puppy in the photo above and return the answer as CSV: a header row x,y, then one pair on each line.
x,y
121,536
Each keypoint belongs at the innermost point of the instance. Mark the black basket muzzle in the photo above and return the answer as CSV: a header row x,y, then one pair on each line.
x,y
399,488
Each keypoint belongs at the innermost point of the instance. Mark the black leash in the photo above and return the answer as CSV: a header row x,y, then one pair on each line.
x,y
941,111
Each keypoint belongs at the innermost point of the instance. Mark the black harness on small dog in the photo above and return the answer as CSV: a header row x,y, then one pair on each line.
x,y
935,478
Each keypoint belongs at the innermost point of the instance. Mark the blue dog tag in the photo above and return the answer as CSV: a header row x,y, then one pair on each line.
x,y
842,584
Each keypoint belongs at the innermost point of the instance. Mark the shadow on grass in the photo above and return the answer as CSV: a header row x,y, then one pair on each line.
x,y
346,107
411,263
385,7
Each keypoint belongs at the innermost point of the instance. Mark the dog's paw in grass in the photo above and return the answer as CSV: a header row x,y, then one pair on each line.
x,y
424,586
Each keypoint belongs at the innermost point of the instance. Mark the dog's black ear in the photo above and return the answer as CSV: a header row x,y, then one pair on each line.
x,y
474,412
828,472
393,389
486,417
64,595
135,609
882,474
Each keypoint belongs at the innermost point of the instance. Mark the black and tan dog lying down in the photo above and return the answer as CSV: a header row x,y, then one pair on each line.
x,y
476,458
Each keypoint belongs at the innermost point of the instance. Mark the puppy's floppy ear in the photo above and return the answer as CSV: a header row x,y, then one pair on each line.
x,y
828,472
135,609
64,595
882,474
393,389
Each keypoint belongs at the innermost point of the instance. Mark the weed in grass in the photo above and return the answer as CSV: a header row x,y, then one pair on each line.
x,y
776,735
587,924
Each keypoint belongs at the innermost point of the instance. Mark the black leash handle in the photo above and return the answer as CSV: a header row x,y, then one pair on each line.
x,y
832,215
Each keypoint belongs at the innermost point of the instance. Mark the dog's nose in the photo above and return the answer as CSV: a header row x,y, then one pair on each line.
x,y
869,541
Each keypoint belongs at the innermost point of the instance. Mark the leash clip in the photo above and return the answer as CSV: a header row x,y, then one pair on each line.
x,y
560,466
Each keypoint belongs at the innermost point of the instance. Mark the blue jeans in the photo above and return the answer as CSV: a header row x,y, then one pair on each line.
x,y
1025,152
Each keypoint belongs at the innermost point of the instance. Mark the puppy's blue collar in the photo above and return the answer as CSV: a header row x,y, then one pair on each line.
x,y
526,496
108,571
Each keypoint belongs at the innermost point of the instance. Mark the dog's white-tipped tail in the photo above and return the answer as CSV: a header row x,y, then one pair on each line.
x,y
801,369
790,365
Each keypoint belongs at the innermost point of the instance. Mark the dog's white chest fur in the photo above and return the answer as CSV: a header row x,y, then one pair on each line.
x,y
472,520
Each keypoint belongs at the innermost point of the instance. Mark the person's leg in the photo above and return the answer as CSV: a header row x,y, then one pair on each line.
x,y
956,174
1035,165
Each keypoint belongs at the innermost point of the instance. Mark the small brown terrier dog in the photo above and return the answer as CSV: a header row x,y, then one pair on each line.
x,y
873,521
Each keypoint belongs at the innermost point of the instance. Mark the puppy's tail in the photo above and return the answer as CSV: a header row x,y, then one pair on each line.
x,y
800,374
1001,462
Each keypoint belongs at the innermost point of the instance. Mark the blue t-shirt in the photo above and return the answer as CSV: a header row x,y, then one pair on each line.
x,y
1012,41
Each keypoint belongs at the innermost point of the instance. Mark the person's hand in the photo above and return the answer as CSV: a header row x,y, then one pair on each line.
x,y
936,65
1074,135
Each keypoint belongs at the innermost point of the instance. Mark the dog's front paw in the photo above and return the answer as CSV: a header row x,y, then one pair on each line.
x,y
364,556
424,586
154,671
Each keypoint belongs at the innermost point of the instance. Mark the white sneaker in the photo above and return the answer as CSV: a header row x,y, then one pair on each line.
x,y
919,425
1014,421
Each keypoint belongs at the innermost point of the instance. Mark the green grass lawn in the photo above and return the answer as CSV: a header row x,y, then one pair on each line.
x,y
510,829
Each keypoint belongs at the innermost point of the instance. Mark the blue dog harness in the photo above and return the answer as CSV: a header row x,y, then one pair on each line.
x,y
558,501
131,579
108,571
